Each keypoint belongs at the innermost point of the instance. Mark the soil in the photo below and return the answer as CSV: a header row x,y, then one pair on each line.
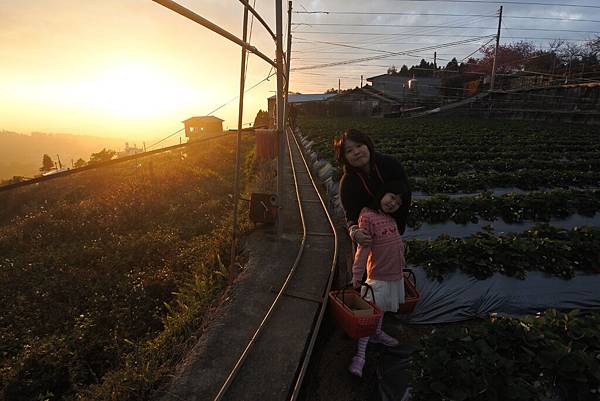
x,y
328,378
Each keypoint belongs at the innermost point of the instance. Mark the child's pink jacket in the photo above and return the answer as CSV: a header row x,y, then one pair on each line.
x,y
384,258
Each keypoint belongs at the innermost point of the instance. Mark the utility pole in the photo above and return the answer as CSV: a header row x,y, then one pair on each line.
x,y
361,81
339,85
236,180
59,163
288,61
496,51
434,64
568,71
280,116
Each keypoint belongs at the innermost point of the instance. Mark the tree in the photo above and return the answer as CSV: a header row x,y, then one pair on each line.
x,y
103,156
452,65
47,164
261,119
571,53
510,57
79,163
594,46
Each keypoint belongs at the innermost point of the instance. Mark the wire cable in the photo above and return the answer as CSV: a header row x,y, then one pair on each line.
x,y
442,26
218,108
388,55
503,2
327,12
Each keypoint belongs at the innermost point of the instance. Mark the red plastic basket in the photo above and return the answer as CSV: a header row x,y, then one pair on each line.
x,y
356,323
411,294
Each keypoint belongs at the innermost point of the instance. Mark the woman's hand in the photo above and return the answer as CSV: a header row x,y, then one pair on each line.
x,y
361,237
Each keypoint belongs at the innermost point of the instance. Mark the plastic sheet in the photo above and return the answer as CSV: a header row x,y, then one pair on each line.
x,y
432,231
461,297
393,378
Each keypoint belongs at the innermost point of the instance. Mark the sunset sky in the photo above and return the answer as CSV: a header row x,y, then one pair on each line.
x,y
132,68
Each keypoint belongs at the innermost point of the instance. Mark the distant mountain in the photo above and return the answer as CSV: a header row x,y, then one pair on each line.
x,y
21,155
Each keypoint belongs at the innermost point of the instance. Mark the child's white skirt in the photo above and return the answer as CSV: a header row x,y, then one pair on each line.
x,y
388,294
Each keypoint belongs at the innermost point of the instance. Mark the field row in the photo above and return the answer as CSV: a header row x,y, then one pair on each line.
x,y
511,208
527,180
427,168
555,251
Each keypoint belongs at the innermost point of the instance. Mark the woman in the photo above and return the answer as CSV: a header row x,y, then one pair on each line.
x,y
365,172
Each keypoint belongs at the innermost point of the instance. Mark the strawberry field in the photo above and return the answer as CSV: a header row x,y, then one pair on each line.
x,y
495,201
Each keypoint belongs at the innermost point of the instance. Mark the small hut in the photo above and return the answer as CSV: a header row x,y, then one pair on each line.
x,y
202,126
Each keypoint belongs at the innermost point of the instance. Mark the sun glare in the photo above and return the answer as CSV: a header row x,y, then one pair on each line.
x,y
134,91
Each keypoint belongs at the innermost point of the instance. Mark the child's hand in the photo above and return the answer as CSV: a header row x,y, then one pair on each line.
x,y
355,283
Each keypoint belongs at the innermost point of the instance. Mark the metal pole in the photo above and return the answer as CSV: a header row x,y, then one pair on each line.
x,y
280,122
236,181
496,51
258,17
289,62
171,5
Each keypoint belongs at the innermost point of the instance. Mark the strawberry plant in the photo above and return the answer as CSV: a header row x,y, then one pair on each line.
x,y
526,359
544,248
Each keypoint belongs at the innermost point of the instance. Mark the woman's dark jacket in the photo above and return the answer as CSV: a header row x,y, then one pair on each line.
x,y
355,196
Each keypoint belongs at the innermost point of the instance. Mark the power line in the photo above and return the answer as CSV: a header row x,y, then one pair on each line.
x,y
464,21
442,15
392,54
218,108
165,138
427,35
440,26
480,47
503,2
250,88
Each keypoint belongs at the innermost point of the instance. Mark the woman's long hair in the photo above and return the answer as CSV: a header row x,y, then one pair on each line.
x,y
356,136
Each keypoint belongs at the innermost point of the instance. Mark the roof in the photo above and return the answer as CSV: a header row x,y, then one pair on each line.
x,y
380,75
309,97
202,119
402,77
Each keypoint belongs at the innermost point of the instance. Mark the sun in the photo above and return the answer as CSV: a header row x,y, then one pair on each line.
x,y
136,91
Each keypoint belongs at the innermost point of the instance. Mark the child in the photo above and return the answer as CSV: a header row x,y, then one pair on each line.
x,y
384,261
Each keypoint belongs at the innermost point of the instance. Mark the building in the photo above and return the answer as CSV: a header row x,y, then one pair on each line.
x,y
202,126
365,102
306,102
408,90
129,151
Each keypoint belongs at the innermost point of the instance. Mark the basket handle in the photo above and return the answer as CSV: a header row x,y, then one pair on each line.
x,y
362,296
411,275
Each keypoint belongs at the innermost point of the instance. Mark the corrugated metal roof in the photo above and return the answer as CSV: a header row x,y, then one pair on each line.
x,y
309,97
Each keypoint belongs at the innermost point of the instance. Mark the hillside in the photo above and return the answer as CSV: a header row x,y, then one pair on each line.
x,y
106,272
21,155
